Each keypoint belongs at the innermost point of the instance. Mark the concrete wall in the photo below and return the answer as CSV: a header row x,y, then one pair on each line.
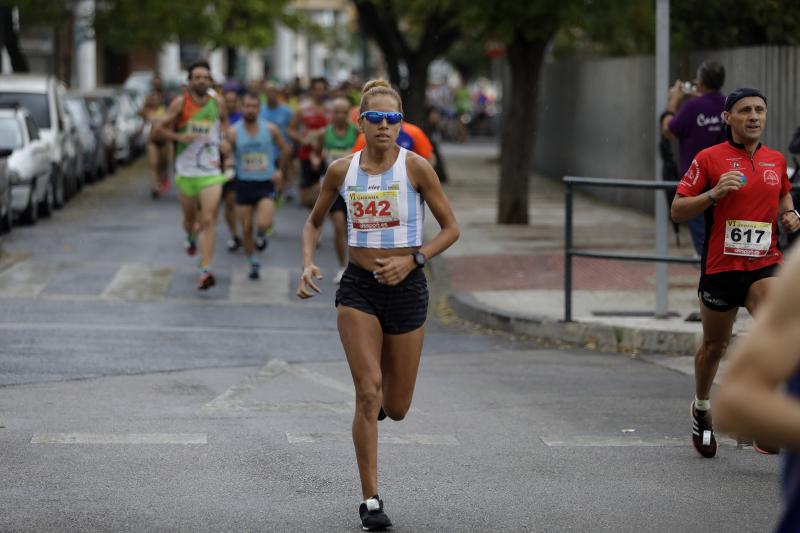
x,y
596,117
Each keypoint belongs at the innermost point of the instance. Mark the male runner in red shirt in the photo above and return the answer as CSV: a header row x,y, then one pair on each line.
x,y
742,188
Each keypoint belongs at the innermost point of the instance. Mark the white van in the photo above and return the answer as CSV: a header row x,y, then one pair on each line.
x,y
44,97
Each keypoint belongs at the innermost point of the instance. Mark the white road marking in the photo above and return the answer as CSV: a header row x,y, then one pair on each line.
x,y
227,399
159,329
322,379
272,288
426,440
119,438
599,441
281,407
26,279
139,282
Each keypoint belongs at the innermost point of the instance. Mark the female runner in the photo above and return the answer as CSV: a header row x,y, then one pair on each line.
x,y
382,300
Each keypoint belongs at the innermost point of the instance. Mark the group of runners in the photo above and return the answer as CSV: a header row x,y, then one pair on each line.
x,y
248,150
371,173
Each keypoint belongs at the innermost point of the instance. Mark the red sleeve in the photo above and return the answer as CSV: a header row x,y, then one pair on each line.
x,y
422,145
696,179
786,185
360,143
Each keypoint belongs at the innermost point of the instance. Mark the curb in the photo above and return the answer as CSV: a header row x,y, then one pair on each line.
x,y
590,334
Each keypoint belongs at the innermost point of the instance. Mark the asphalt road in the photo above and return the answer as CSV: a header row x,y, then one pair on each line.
x,y
131,402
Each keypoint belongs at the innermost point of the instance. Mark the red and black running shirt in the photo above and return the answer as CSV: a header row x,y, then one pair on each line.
x,y
741,230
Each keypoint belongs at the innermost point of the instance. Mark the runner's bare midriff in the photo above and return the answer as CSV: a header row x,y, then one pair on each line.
x,y
365,257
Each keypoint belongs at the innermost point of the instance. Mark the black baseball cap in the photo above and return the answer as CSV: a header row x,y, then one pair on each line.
x,y
742,92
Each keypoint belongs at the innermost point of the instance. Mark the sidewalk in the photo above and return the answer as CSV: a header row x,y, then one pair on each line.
x,y
512,277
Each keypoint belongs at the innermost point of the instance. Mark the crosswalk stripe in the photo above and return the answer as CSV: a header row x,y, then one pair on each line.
x,y
600,441
139,282
272,288
425,440
119,438
26,279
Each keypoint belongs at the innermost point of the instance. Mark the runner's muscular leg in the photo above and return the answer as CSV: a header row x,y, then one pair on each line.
x,y
245,215
189,206
399,365
756,294
265,212
209,205
361,338
717,327
230,212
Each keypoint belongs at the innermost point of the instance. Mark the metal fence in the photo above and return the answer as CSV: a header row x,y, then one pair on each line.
x,y
570,183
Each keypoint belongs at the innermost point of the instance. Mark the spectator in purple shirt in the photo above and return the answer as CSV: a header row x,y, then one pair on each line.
x,y
697,124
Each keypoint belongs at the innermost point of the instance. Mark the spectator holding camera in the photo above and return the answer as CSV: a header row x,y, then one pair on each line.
x,y
697,125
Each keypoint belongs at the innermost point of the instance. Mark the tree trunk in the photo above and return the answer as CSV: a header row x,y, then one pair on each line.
x,y
517,139
10,39
414,94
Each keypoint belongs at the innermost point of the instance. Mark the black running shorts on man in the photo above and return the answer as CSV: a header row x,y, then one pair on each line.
x,y
252,192
724,291
399,308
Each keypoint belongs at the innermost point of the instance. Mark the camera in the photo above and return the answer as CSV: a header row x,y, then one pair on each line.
x,y
688,87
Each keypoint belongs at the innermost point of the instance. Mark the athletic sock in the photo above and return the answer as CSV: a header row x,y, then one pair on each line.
x,y
702,405
253,260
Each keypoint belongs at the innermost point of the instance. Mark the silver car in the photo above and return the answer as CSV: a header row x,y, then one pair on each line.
x,y
32,190
43,96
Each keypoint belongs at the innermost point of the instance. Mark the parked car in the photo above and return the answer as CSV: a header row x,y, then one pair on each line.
x,y
43,96
102,121
93,157
6,207
130,108
28,164
124,128
74,154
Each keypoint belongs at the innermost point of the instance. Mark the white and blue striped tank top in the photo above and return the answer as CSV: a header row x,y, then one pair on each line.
x,y
383,210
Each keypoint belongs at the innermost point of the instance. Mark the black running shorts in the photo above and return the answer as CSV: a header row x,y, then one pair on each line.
x,y
308,175
251,192
228,187
724,291
400,308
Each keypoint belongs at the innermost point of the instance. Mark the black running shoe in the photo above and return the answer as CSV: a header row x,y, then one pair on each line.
x,y
703,433
206,281
372,516
234,243
381,414
261,243
254,274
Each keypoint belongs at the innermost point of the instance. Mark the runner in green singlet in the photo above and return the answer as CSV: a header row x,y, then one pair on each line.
x,y
337,142
198,123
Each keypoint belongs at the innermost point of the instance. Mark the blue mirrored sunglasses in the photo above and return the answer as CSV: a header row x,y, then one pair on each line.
x,y
376,117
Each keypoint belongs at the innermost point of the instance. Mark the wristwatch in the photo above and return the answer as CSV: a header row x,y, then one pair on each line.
x,y
419,259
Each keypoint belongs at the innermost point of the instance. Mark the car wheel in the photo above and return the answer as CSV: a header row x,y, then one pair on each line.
x,y
8,219
47,205
31,213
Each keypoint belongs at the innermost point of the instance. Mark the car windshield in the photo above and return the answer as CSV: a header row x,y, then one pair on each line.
x,y
35,103
10,134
